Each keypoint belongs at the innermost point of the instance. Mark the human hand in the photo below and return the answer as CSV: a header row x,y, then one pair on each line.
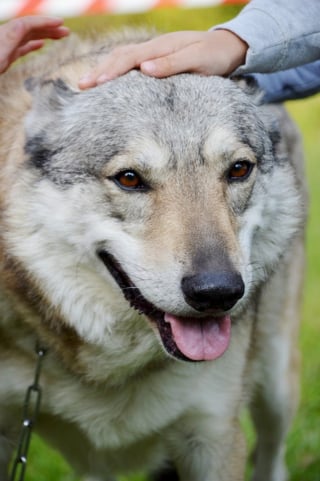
x,y
26,34
217,52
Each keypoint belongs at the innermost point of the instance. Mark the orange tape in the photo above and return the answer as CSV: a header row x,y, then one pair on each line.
x,y
166,3
30,7
34,7
97,6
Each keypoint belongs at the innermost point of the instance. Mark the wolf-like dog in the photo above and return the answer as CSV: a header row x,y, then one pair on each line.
x,y
152,243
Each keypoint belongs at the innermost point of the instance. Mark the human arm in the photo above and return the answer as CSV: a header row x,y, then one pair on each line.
x,y
207,53
281,34
26,34
267,35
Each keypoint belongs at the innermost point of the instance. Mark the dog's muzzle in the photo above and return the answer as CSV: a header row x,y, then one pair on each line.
x,y
202,338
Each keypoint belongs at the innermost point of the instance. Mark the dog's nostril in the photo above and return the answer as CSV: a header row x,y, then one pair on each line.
x,y
213,290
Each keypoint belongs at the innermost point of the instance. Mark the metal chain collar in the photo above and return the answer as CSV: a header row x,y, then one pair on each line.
x,y
31,408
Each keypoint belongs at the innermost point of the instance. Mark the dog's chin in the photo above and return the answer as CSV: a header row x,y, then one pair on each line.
x,y
186,338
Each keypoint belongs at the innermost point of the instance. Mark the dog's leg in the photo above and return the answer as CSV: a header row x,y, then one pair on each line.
x,y
9,434
6,450
207,449
276,396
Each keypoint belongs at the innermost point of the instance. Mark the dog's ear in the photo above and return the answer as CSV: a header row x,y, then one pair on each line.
x,y
49,97
56,91
250,86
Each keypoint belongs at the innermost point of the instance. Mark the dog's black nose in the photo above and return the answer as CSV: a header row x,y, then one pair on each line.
x,y
213,290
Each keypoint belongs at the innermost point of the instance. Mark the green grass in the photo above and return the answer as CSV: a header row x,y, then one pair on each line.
x,y
304,440
165,19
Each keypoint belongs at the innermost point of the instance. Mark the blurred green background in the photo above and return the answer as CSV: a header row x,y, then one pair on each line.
x,y
304,440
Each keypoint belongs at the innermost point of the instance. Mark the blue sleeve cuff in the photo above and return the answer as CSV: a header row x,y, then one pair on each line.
x,y
289,84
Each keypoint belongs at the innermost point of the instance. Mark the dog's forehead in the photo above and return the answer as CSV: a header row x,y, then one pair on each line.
x,y
181,110
187,116
199,101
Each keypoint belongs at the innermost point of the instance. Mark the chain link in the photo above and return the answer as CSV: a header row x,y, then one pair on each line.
x,y
31,408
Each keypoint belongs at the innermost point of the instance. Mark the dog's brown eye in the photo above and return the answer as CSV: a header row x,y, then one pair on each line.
x,y
129,180
240,170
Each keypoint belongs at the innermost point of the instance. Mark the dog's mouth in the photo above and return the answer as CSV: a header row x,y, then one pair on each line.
x,y
185,338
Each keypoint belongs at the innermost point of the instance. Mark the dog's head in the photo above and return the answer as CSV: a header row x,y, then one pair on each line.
x,y
156,200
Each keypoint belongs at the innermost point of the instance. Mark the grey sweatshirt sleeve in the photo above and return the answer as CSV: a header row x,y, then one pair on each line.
x,y
281,34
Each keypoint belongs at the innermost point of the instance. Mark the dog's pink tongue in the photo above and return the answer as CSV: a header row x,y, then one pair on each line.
x,y
200,339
